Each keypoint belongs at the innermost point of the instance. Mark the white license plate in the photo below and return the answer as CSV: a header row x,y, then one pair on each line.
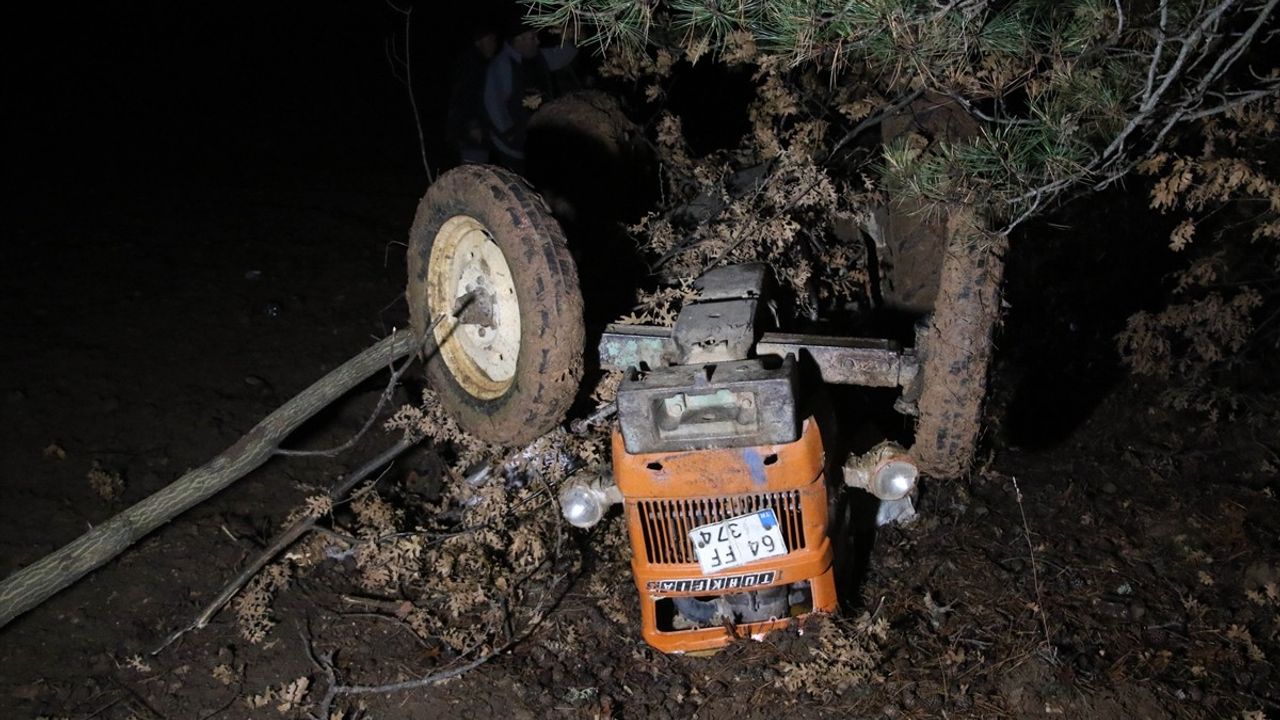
x,y
737,541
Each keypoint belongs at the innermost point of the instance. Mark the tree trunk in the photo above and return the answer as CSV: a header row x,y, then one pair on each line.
x,y
35,583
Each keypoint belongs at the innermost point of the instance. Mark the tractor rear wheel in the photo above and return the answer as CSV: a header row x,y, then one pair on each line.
x,y
940,263
955,346
494,294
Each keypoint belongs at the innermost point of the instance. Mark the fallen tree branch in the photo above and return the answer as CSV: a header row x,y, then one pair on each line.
x,y
286,538
324,662
396,373
35,583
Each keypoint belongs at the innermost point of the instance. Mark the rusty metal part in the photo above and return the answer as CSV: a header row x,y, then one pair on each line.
x,y
720,323
715,331
639,347
847,361
475,308
840,361
667,494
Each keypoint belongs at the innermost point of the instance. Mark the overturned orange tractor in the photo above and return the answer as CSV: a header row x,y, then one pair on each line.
x,y
720,465
727,538
722,461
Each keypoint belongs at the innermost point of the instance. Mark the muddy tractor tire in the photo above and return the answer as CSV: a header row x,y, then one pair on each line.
x,y
914,237
589,116
589,158
954,344
487,257
939,265
596,170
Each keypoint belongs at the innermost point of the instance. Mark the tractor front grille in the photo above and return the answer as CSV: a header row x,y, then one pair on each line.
x,y
666,523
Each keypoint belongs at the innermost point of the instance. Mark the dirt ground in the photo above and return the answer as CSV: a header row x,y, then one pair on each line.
x,y
1125,567
167,284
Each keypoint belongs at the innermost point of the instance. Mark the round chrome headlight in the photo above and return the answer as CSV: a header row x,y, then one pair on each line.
x,y
581,504
894,479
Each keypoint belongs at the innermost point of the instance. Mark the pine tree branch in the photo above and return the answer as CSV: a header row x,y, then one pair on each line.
x,y
1235,101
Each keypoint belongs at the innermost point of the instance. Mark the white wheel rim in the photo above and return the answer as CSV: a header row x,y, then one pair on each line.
x,y
464,258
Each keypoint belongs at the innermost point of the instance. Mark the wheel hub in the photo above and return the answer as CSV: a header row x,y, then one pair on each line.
x,y
480,339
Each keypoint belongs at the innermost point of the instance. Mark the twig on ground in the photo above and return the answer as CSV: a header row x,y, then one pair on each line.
x,y
285,539
391,619
396,373
364,490
1035,574
324,661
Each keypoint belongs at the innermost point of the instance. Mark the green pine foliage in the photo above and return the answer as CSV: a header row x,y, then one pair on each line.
x,y
1068,94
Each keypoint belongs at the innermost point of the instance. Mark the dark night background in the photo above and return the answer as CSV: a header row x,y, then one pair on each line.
x,y
205,210
228,88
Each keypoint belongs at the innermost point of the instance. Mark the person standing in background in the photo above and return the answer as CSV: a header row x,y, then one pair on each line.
x,y
518,80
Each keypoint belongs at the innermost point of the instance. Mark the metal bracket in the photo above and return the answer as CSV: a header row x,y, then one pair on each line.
x,y
840,361
720,324
636,347
847,361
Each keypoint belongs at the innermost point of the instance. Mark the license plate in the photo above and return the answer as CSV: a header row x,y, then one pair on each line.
x,y
737,541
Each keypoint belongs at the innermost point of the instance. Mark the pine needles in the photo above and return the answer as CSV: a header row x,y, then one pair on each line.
x,y
1068,93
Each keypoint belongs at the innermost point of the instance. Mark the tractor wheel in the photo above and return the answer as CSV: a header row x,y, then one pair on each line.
x,y
942,266
913,238
910,250
954,344
484,246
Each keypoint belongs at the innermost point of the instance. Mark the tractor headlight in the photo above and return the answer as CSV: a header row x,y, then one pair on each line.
x,y
583,500
894,479
885,471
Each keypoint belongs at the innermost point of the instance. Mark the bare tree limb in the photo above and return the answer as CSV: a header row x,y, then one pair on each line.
x,y
1158,53
35,583
408,83
1233,53
1234,102
1151,99
1156,107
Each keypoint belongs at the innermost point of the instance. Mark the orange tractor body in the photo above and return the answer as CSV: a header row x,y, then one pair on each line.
x,y
667,495
719,464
